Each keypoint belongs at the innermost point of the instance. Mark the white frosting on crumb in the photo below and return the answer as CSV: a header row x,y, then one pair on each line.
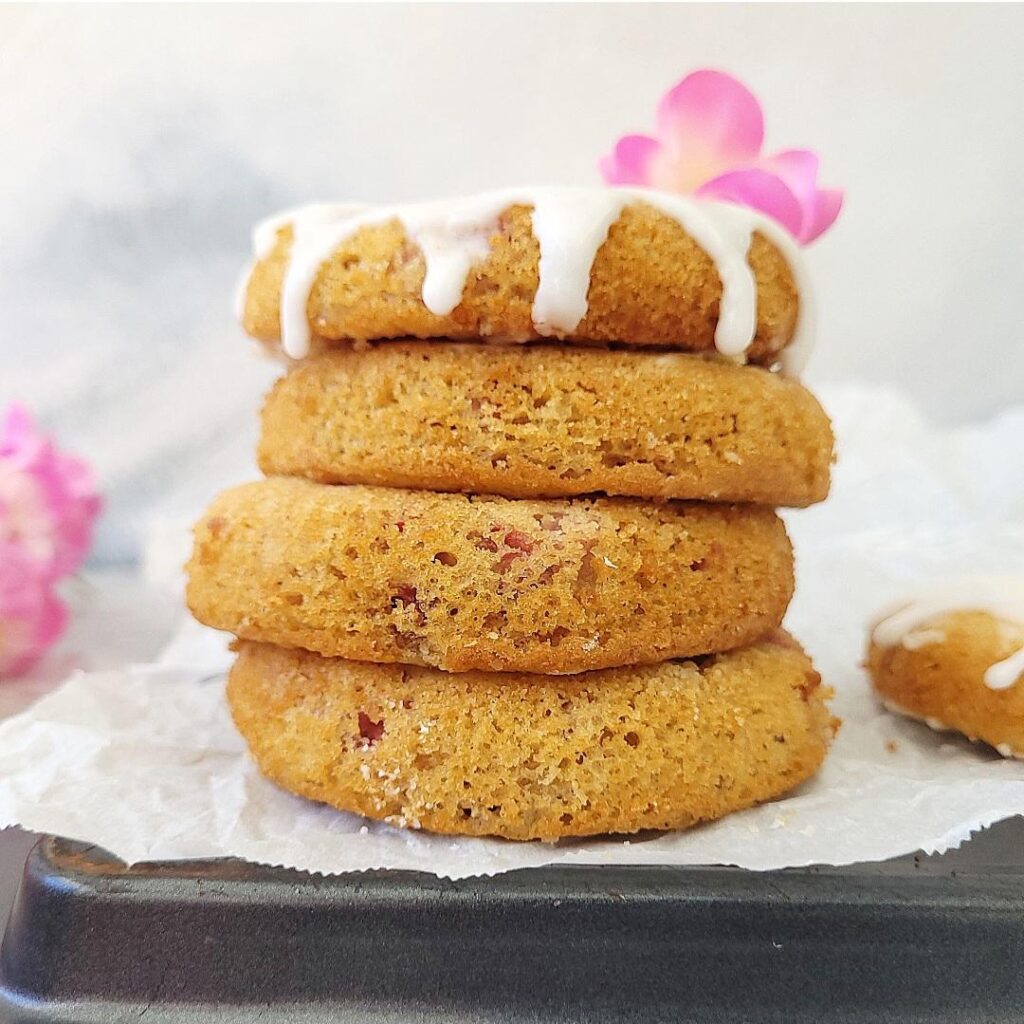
x,y
570,225
1002,597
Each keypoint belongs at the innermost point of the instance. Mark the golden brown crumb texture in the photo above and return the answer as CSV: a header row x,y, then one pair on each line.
x,y
535,757
461,582
945,680
548,421
651,284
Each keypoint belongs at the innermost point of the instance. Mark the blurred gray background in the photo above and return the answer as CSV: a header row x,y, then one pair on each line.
x,y
139,144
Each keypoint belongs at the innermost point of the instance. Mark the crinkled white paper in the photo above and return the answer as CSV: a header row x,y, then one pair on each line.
x,y
145,762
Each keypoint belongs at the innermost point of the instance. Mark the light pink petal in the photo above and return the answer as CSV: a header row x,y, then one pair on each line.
x,y
759,190
711,119
48,500
27,519
19,441
630,161
16,429
798,168
828,203
75,505
51,621
710,130
32,617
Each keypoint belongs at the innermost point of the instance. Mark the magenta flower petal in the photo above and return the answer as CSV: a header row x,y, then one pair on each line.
x,y
759,190
16,429
828,203
48,500
77,509
710,130
713,119
629,162
798,168
31,616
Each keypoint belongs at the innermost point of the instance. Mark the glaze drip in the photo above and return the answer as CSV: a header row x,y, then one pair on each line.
x,y
570,225
1001,597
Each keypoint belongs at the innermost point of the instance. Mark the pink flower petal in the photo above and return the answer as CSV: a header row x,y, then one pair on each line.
x,y
16,429
828,203
711,119
31,616
798,168
710,130
629,162
760,190
48,500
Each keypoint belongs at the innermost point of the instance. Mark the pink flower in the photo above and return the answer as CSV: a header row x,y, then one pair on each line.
x,y
48,505
48,500
710,130
31,616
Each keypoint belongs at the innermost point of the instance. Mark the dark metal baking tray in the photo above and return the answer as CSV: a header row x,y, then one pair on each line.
x,y
915,939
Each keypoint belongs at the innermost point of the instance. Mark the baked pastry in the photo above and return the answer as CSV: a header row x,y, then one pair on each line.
x,y
535,757
546,421
955,660
461,582
593,265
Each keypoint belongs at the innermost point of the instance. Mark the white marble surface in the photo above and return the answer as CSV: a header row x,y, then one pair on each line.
x,y
139,142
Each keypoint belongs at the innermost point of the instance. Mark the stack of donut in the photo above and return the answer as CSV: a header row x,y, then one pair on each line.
x,y
515,567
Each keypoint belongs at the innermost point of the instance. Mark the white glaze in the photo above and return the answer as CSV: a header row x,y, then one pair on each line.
x,y
1004,674
922,638
796,354
569,231
1002,597
570,225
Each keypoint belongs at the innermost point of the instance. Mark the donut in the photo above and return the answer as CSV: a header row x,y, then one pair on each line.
x,y
547,421
650,278
956,668
464,582
535,757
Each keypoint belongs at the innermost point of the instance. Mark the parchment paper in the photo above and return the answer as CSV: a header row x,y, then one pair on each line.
x,y
145,762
